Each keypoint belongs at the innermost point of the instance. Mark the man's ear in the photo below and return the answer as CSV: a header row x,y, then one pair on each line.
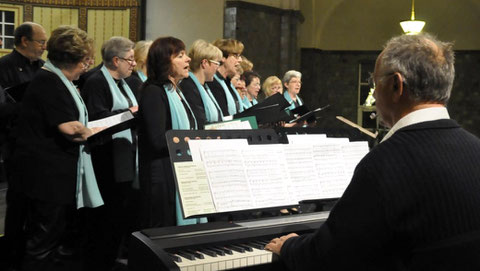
x,y
24,40
398,89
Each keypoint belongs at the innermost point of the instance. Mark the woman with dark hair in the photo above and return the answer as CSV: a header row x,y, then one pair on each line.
x,y
252,83
52,165
162,107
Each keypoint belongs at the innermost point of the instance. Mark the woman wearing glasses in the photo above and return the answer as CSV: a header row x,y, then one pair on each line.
x,y
224,92
106,93
205,60
52,165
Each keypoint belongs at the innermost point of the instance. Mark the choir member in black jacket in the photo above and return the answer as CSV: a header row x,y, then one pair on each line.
x,y
106,93
16,68
413,202
162,108
224,92
206,59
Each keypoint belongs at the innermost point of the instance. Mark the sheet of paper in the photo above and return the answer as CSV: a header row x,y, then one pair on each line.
x,y
306,139
330,167
197,145
302,172
193,188
353,152
266,175
227,179
229,125
111,121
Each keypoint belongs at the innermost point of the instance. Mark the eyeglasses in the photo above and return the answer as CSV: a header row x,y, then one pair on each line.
x,y
130,61
237,56
371,81
219,63
41,42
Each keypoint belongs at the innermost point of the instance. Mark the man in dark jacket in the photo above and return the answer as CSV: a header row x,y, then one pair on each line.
x,y
413,202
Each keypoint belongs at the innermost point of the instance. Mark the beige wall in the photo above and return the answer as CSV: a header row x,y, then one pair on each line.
x,y
187,20
366,25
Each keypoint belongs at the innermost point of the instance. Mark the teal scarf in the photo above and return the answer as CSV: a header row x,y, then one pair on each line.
x,y
239,98
246,102
289,99
87,192
122,152
180,122
232,109
142,76
211,110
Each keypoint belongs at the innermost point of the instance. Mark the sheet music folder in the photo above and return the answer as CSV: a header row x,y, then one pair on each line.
x,y
115,124
308,116
269,110
16,93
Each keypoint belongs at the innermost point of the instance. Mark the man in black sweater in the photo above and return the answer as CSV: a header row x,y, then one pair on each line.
x,y
414,200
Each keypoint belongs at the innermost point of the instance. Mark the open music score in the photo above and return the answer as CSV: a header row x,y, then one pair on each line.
x,y
229,175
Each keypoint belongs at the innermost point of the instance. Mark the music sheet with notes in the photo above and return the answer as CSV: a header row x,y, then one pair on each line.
x,y
230,175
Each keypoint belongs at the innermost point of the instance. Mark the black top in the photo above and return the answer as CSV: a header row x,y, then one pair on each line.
x,y
45,160
98,97
194,99
413,204
134,82
17,69
219,94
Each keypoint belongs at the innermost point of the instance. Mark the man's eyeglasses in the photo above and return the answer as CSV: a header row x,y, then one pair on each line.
x,y
41,42
130,61
218,63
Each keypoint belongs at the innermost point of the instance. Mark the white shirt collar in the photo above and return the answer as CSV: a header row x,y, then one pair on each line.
x,y
421,115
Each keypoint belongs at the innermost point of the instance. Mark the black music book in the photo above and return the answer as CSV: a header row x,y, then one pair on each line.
x,y
308,116
15,93
269,110
115,124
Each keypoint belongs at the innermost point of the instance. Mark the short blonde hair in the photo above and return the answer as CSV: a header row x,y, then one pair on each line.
x,y
141,51
268,84
201,50
246,64
229,46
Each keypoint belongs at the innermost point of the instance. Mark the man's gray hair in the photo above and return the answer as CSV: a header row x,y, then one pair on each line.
x,y
290,74
115,46
426,64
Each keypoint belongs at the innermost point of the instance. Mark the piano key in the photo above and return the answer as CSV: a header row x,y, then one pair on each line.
x,y
245,246
224,249
186,255
194,253
175,257
218,251
209,252
236,248
256,245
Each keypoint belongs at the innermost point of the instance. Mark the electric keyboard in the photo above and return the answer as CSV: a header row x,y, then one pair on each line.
x,y
217,245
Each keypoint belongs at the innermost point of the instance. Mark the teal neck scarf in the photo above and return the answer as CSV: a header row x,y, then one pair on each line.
x,y
289,99
232,109
239,98
177,110
87,192
122,153
246,102
142,76
211,111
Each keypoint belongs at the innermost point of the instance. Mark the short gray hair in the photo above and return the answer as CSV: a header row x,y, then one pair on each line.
x,y
426,64
115,46
290,74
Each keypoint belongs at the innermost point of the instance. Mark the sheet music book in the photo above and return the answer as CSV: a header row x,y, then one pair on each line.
x,y
308,116
15,93
229,175
114,124
269,110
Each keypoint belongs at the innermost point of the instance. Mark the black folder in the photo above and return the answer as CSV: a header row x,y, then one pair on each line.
x,y
269,110
308,116
15,93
